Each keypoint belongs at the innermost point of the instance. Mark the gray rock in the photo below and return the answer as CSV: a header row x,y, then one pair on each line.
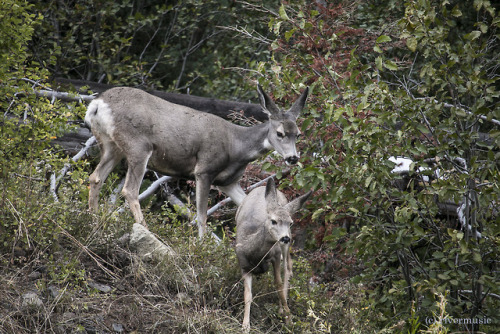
x,y
99,287
53,291
118,328
31,299
68,316
35,275
147,246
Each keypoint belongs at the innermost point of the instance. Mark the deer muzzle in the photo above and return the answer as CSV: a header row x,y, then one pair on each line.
x,y
292,159
285,240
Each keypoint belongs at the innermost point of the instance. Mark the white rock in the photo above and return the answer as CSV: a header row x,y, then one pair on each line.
x,y
147,246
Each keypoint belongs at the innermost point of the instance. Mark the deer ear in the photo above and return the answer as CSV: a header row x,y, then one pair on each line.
x,y
267,104
271,195
297,203
299,104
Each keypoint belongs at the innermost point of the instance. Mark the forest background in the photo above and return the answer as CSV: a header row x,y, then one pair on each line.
x,y
385,248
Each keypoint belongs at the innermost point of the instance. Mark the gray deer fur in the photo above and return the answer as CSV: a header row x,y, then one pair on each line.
x,y
175,140
263,236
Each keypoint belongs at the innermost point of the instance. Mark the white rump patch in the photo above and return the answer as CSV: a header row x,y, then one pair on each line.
x,y
100,117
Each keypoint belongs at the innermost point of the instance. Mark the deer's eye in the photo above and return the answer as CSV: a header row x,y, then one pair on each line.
x,y
280,134
274,222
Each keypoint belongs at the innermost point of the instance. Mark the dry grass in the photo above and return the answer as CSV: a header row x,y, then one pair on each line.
x,y
144,297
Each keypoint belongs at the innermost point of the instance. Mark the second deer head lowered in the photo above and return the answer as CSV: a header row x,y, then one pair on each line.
x,y
263,236
175,140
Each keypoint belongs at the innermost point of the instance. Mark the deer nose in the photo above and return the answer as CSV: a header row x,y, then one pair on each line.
x,y
285,240
292,160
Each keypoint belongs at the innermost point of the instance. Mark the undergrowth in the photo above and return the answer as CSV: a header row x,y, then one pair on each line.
x,y
56,252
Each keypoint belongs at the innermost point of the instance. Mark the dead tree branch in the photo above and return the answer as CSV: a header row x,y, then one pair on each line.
x,y
448,105
63,96
54,181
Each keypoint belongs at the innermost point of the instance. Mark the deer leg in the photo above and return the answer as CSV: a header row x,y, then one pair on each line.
x,y
283,310
247,281
234,191
133,180
110,158
202,190
287,269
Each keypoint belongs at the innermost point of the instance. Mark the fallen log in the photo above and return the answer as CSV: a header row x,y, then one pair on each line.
x,y
221,108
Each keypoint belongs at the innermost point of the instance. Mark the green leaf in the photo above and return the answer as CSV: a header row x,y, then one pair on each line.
x,y
338,113
444,276
283,14
377,49
383,39
473,35
483,27
378,62
289,34
368,180
456,12
478,4
460,112
352,209
389,64
277,27
438,255
317,213
476,257
412,43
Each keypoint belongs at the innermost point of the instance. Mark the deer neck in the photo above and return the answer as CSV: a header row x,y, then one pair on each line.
x,y
254,142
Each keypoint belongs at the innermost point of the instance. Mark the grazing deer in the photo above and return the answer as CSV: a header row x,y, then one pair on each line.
x,y
178,141
263,235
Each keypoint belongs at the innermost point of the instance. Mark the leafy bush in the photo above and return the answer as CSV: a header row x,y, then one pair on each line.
x,y
28,125
428,92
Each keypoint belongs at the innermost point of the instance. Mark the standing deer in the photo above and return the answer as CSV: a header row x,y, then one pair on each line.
x,y
263,235
178,141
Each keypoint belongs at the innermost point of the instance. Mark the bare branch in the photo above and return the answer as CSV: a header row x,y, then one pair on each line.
x,y
54,181
153,187
68,97
114,194
448,105
486,294
250,35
